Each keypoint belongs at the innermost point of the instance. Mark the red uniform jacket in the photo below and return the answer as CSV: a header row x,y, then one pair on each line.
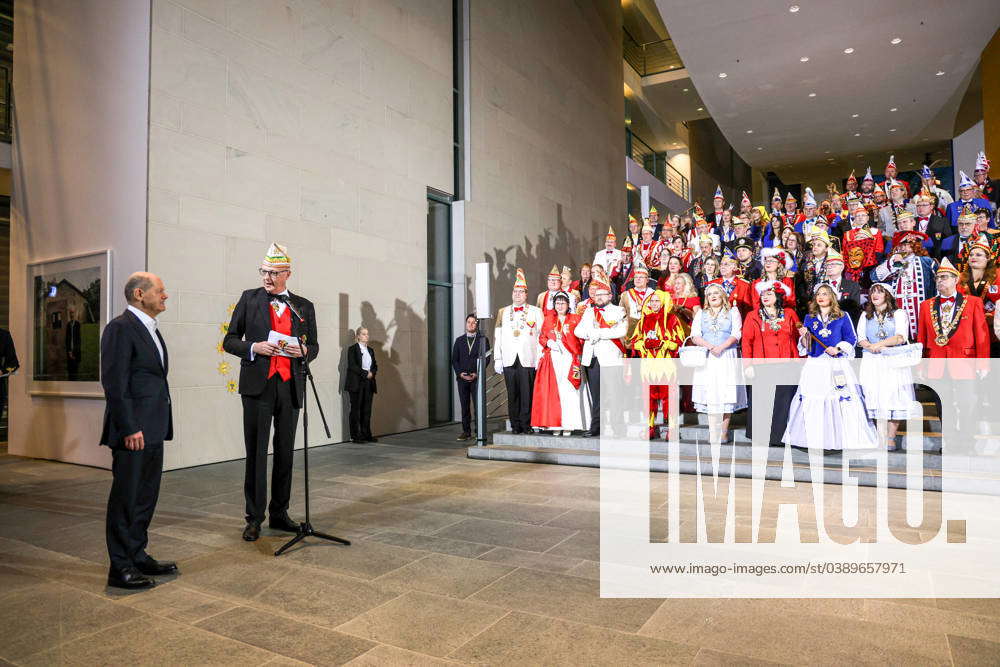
x,y
970,341
759,341
741,296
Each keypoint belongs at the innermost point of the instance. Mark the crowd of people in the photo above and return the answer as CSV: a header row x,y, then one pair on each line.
x,y
887,270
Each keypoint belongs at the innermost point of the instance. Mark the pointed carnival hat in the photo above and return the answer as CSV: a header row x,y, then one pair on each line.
x,y
652,210
631,219
277,258
599,284
519,280
567,274
834,256
718,193
554,272
868,176
852,178
745,200
776,195
790,198
947,267
982,164
646,227
981,245
926,173
610,236
965,181
891,162
640,267
809,199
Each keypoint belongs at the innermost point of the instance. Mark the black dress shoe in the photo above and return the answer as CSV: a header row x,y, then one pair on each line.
x,y
591,434
372,438
282,522
129,578
357,441
252,531
157,567
464,436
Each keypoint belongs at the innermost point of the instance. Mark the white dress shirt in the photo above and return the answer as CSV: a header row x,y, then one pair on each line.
x,y
150,324
279,309
366,358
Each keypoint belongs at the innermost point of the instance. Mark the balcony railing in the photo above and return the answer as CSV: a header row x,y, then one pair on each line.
x,y
655,163
652,57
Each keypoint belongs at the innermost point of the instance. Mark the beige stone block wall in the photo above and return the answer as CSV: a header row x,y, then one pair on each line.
x,y
316,124
547,136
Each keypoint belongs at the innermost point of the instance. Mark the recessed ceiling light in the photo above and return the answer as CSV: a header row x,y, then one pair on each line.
x,y
812,94
910,164
861,155
849,50
894,109
895,40
854,115
939,73
804,59
826,151
701,108
722,75
857,134
893,130
760,148
749,131
685,90
793,8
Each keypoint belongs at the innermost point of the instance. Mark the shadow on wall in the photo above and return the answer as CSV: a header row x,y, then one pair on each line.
x,y
395,345
562,247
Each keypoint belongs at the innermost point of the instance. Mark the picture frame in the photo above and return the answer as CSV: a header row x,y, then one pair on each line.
x,y
69,304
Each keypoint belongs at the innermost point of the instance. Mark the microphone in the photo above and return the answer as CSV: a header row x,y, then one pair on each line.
x,y
288,302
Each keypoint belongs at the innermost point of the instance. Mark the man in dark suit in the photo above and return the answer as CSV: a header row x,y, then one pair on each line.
x,y
464,355
361,386
73,345
929,222
8,364
272,385
848,291
137,421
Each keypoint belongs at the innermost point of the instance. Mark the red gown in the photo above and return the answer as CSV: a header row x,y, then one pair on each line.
x,y
546,410
789,298
741,295
971,340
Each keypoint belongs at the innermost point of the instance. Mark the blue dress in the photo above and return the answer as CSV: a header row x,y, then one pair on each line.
x,y
828,411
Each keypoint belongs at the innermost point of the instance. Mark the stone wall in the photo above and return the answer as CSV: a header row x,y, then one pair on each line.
x,y
317,125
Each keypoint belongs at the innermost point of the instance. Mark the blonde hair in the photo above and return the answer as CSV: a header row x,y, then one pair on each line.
x,y
726,305
688,289
835,311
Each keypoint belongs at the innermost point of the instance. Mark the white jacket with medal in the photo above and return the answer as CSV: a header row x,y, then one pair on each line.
x,y
516,337
598,340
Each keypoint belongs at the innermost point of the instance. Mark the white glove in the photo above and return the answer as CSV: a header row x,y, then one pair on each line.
x,y
553,345
498,367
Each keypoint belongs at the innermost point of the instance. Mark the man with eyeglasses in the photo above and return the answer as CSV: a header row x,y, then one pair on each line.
x,y
272,384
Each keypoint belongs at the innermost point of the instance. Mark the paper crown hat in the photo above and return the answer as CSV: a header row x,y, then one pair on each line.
x,y
718,192
852,178
905,214
745,201
965,181
809,199
599,284
926,173
567,273
968,214
652,210
868,176
776,195
834,256
277,258
947,267
554,272
519,280
610,236
982,164
891,162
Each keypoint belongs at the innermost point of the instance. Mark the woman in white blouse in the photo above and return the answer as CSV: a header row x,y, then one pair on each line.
x,y
888,384
717,387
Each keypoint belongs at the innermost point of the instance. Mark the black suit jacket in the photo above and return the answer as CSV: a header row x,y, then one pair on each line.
x,y
135,383
8,355
938,229
251,323
355,373
850,299
464,361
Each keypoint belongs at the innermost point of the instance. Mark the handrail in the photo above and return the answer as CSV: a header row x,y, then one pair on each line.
x,y
651,57
655,162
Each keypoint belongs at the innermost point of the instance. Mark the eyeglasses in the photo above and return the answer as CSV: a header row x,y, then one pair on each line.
x,y
271,274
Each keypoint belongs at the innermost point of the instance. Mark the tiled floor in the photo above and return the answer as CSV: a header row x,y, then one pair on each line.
x,y
453,561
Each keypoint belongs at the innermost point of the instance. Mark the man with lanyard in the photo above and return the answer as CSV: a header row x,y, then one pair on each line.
x,y
633,300
718,202
952,328
966,199
610,255
910,275
516,351
929,184
601,328
989,189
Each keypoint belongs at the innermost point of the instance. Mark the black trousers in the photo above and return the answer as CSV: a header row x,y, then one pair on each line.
x,y
274,403
135,488
594,385
783,395
361,411
520,382
466,390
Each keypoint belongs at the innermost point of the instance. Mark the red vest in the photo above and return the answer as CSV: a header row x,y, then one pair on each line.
x,y
281,365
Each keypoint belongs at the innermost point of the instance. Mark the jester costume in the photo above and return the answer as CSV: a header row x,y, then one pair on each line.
x,y
658,335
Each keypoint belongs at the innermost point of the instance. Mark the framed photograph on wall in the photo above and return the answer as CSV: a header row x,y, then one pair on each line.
x,y
70,302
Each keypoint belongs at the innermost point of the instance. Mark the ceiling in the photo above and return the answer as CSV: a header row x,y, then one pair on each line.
x,y
763,105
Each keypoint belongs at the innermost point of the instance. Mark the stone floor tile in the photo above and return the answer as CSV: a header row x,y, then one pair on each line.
x,y
450,576
506,534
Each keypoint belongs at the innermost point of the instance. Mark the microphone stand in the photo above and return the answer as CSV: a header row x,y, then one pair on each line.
x,y
305,527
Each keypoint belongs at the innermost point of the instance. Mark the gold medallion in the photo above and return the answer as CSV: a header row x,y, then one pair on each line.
x,y
941,340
